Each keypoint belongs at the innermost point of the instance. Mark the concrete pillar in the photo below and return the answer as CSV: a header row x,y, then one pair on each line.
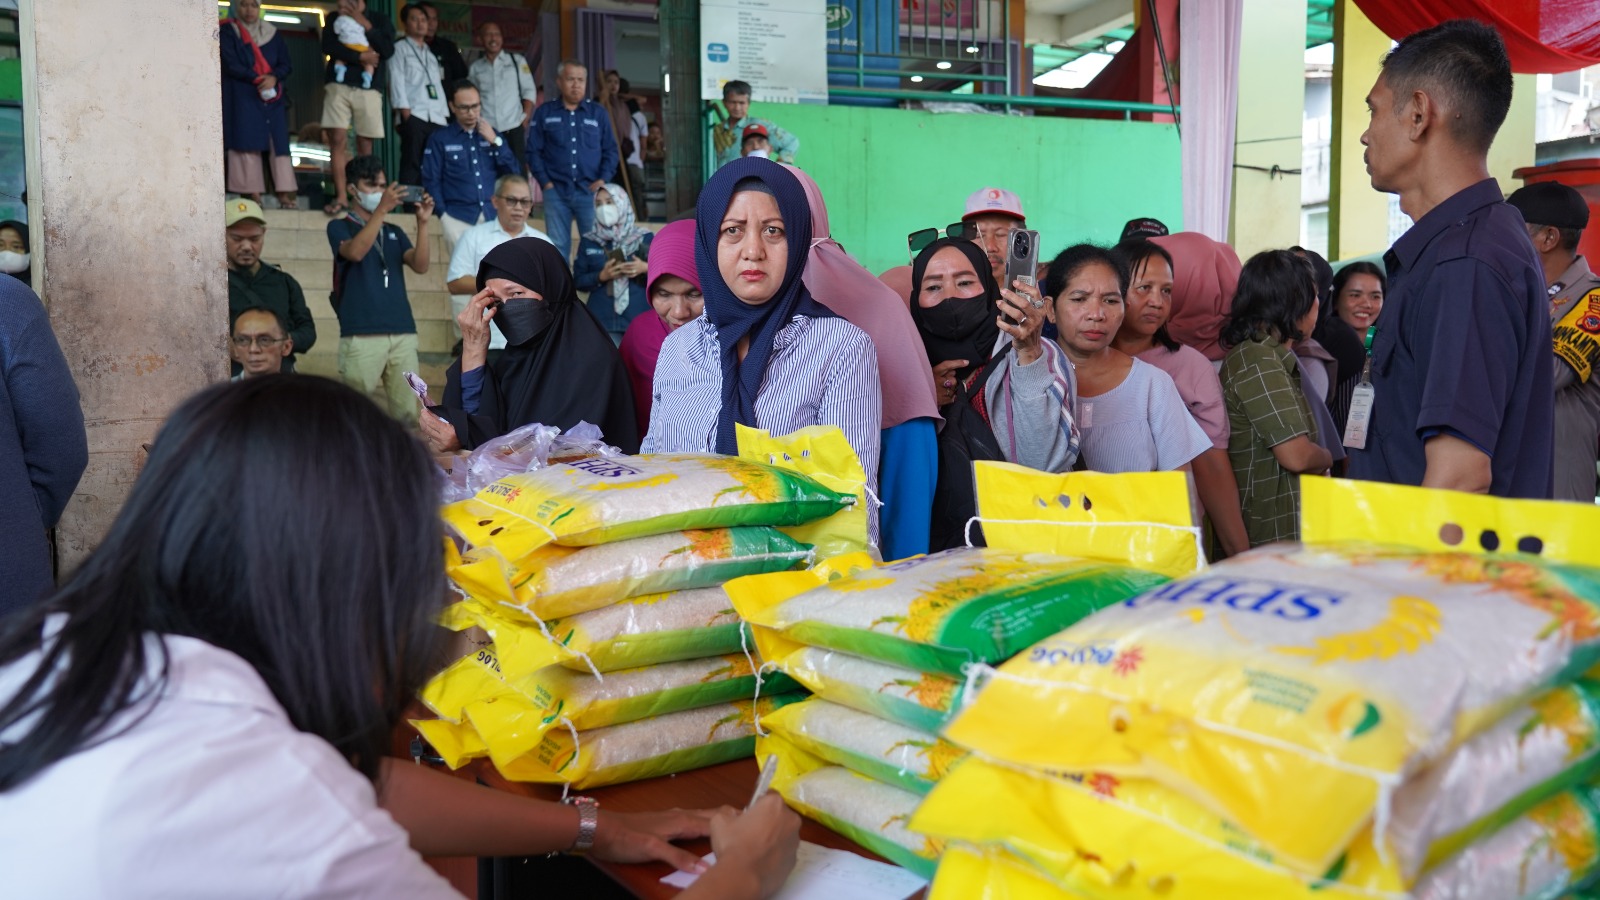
x,y
1266,204
124,129
1358,216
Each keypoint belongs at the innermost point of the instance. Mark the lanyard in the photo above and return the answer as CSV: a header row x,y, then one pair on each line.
x,y
1366,367
1361,401
427,79
377,244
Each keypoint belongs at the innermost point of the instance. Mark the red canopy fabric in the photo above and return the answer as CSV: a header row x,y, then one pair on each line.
x,y
1540,35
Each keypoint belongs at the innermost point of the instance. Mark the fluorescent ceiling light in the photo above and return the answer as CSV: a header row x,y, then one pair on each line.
x,y
282,20
943,64
972,49
916,79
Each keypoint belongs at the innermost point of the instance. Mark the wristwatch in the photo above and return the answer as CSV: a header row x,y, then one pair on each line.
x,y
498,140
588,823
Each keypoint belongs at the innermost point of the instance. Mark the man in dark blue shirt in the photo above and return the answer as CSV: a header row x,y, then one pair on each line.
x,y
377,334
461,162
571,152
1461,359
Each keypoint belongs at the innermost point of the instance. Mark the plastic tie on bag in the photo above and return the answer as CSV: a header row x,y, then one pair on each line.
x,y
545,631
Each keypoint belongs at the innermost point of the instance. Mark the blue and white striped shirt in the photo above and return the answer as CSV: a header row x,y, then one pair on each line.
x,y
822,372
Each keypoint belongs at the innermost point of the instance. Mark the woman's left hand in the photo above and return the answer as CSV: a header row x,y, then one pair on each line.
x,y
267,82
644,837
1025,307
440,435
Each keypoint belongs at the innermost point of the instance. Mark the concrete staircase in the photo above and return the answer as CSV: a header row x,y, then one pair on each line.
x,y
297,240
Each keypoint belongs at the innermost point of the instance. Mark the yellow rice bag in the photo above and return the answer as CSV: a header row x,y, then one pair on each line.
x,y
556,581
868,812
935,613
1322,675
822,453
967,872
640,631
512,716
920,700
885,751
1339,510
604,499
1139,519
649,748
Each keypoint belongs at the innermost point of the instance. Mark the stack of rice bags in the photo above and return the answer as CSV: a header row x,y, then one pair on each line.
x,y
614,654
885,649
1317,721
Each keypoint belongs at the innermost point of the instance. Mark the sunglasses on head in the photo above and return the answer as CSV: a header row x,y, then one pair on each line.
x,y
919,240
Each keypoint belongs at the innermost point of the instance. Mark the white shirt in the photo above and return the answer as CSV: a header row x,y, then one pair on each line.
x,y
213,794
640,127
474,245
504,84
412,70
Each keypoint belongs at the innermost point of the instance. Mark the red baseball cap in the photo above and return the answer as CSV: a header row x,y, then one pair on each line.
x,y
751,131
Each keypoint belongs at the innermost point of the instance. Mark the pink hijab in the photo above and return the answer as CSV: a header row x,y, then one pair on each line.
x,y
840,283
1205,275
671,253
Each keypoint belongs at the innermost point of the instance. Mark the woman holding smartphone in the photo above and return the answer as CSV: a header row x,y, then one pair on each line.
x,y
205,707
612,262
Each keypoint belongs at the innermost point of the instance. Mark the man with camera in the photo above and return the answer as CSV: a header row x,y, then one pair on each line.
x,y
462,161
377,335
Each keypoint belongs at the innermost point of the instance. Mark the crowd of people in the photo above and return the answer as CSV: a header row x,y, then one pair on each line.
x,y
182,653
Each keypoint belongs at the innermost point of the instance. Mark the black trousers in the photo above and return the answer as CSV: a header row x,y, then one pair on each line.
x,y
414,133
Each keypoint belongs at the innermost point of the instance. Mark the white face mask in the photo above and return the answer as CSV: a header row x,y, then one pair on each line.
x,y
369,202
11,263
760,153
607,215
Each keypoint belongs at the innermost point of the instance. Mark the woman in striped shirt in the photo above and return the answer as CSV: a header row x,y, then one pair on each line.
x,y
764,354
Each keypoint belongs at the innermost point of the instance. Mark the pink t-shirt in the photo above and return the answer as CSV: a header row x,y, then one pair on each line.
x,y
1198,385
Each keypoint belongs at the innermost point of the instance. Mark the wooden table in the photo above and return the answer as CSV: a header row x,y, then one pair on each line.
x,y
729,784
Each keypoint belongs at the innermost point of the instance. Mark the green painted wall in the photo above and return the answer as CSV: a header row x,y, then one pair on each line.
x,y
888,172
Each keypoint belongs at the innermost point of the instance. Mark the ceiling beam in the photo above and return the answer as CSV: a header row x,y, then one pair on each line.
x,y
1080,25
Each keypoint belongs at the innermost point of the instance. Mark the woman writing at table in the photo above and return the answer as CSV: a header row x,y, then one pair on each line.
x,y
204,708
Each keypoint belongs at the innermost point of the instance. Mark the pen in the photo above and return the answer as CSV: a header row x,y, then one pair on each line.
x,y
765,781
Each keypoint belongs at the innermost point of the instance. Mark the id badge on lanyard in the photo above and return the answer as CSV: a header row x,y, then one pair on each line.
x,y
1361,400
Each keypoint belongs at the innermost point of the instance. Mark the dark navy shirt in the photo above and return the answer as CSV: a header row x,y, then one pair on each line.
x,y
571,146
369,303
1463,348
459,169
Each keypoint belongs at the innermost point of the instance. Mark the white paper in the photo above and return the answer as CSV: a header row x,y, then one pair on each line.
x,y
778,46
824,874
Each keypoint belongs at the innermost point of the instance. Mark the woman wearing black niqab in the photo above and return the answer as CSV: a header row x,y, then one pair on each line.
x,y
559,366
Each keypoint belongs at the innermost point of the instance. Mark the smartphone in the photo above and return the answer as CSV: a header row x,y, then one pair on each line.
x,y
1022,261
411,194
614,255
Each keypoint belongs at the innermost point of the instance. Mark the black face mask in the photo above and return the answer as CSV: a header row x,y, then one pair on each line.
x,y
522,320
956,318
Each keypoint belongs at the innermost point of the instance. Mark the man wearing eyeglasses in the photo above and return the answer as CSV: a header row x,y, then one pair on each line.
x,y
512,200
261,345
252,283
992,214
462,161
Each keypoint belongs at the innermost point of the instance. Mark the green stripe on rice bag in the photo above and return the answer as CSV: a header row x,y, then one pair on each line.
x,y
603,499
906,758
1554,847
556,581
872,814
512,717
935,613
641,631
920,700
1328,675
649,748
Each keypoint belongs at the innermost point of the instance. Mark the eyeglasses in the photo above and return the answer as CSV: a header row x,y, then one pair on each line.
x,y
244,341
516,201
473,108
919,240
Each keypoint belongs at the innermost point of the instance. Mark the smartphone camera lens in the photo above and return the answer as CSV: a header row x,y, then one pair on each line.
x,y
1021,245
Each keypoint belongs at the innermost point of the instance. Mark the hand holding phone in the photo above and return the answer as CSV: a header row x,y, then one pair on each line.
x,y
412,193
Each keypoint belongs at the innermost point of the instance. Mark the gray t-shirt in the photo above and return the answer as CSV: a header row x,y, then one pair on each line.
x,y
1141,425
